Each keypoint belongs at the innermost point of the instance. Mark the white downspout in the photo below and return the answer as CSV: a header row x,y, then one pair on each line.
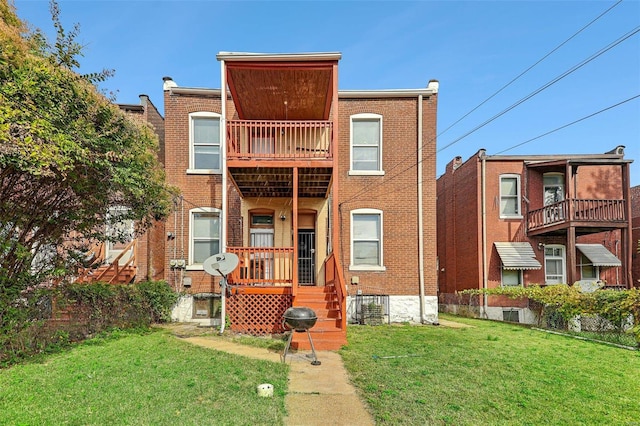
x,y
420,219
223,163
485,278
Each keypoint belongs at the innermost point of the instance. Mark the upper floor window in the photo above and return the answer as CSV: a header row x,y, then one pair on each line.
x,y
204,142
366,239
204,234
366,144
553,188
510,196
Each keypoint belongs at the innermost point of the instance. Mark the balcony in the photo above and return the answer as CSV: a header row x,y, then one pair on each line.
x,y
279,140
586,215
263,266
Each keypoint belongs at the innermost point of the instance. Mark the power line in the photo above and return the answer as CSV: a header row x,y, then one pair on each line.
x,y
506,85
514,105
530,68
547,85
568,124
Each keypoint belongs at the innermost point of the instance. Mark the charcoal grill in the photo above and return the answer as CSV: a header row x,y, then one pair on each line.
x,y
299,319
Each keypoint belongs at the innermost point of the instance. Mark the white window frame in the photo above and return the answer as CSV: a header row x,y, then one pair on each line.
x,y
352,145
192,156
199,266
562,258
380,266
520,278
518,196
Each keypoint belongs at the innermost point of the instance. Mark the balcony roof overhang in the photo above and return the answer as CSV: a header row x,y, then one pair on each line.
x,y
277,182
276,86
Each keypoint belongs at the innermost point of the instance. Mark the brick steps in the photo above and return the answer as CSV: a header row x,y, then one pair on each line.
x,y
327,333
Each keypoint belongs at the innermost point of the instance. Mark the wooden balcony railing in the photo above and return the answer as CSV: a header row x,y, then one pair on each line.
x,y
333,276
256,139
577,210
262,266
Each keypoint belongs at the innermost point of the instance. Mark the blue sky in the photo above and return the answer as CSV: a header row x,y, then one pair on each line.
x,y
474,48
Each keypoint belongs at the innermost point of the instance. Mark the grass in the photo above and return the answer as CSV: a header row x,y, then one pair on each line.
x,y
142,379
491,373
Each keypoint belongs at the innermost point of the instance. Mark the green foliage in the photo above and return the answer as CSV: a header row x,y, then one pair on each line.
x,y
617,307
160,297
67,155
46,320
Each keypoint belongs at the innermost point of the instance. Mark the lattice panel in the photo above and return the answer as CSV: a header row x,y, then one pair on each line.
x,y
257,314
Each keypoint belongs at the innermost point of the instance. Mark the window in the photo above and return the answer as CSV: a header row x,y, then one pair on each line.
x,y
587,269
366,240
366,144
553,188
554,261
510,196
205,234
511,277
204,146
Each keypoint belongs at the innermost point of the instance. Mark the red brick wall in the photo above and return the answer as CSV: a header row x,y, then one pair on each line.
x,y
635,246
395,194
196,190
459,236
150,247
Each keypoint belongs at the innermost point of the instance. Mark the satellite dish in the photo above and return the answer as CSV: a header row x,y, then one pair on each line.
x,y
220,264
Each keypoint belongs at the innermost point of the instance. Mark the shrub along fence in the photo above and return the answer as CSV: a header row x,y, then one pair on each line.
x,y
54,317
602,312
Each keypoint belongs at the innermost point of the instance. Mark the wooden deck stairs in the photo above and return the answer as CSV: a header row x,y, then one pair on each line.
x,y
329,332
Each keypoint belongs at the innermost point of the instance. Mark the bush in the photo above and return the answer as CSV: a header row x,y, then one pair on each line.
x,y
561,303
46,320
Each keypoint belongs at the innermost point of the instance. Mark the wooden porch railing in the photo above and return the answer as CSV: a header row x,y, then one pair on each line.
x,y
582,210
262,266
256,139
115,266
333,276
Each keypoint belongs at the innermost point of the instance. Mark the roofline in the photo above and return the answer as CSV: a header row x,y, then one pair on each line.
x,y
265,57
346,94
562,158
386,93
194,91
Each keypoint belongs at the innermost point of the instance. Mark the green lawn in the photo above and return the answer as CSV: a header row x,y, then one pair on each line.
x,y
492,373
142,379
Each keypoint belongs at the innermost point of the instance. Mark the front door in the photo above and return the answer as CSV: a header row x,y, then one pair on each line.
x,y
306,256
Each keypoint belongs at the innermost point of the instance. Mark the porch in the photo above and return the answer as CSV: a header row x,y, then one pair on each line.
x,y
578,213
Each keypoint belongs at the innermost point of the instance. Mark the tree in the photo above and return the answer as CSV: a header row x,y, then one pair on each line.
x,y
67,155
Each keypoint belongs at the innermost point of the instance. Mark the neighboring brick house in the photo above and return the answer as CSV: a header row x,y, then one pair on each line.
x,y
635,222
531,219
137,258
327,197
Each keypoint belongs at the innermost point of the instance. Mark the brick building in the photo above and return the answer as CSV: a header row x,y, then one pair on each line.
x,y
327,197
132,258
635,222
538,219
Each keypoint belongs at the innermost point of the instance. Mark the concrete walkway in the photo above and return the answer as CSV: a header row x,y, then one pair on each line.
x,y
317,395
